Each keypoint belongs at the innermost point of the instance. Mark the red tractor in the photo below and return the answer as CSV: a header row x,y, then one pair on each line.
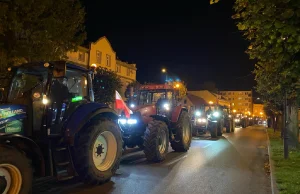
x,y
157,119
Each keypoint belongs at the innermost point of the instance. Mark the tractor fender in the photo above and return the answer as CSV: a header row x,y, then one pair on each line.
x,y
85,114
177,112
31,149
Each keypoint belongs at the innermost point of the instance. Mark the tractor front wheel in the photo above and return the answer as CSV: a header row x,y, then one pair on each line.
x,y
156,141
213,129
15,171
97,151
183,135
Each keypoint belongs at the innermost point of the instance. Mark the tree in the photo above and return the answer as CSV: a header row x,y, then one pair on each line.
x,y
39,30
105,84
272,27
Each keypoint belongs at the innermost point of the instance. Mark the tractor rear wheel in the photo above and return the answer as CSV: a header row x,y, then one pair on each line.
x,y
156,141
97,151
183,135
15,171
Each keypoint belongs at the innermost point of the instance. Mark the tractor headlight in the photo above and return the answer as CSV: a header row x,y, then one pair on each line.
x,y
198,113
216,114
131,121
45,100
166,106
123,121
237,120
201,120
128,121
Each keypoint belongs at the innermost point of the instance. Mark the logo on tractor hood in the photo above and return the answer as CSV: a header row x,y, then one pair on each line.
x,y
11,112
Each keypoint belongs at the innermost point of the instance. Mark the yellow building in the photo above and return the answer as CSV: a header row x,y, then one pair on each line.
x,y
258,110
101,54
241,101
127,73
79,57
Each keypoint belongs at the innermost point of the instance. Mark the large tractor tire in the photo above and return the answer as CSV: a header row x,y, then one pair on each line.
x,y
183,135
97,151
229,127
220,128
213,129
15,171
156,141
233,126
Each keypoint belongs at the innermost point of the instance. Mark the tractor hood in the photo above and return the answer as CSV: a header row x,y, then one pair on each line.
x,y
11,118
146,111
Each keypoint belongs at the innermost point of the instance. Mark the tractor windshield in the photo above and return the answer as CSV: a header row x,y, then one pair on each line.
x,y
153,96
26,80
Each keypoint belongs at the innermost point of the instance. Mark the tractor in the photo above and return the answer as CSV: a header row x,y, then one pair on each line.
x,y
219,117
199,121
51,126
157,120
228,120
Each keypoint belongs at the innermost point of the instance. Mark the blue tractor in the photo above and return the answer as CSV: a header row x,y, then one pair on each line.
x,y
51,126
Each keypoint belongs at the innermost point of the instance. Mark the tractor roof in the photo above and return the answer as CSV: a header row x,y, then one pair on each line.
x,y
156,87
68,64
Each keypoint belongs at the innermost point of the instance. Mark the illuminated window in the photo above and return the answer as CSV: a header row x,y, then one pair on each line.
x,y
81,56
108,60
128,72
118,69
98,56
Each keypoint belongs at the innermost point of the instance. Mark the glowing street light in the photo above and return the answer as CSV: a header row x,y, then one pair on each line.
x,y
177,85
234,111
164,70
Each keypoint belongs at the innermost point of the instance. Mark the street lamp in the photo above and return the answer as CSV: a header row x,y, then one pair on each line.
x,y
177,85
164,70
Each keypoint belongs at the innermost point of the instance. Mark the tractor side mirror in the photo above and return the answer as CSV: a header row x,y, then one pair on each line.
x,y
59,69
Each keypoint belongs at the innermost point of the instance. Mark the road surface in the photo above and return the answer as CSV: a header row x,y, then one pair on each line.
x,y
234,163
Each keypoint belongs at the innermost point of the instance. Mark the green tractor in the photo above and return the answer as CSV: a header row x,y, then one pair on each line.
x,y
51,126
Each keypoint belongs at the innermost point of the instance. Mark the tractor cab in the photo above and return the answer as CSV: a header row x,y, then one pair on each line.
x,y
163,96
45,92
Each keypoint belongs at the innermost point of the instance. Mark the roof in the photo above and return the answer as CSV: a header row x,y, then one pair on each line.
x,y
104,38
197,101
41,64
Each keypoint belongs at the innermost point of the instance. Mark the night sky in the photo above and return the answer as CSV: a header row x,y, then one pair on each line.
x,y
196,41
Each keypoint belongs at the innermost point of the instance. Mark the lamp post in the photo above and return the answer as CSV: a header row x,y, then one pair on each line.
x,y
164,70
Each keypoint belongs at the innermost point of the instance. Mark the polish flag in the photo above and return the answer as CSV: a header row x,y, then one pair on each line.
x,y
120,104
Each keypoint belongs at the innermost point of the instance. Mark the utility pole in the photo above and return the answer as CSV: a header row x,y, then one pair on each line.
x,y
285,130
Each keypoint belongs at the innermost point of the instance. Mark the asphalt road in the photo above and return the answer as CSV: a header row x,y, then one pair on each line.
x,y
234,163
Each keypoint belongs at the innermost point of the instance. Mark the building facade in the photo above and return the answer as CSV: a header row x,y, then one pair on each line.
x,y
126,72
101,54
79,57
258,110
241,101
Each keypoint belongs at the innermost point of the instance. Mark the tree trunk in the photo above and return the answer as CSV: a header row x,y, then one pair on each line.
x,y
292,119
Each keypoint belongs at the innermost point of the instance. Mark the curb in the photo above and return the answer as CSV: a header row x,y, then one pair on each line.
x,y
273,182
